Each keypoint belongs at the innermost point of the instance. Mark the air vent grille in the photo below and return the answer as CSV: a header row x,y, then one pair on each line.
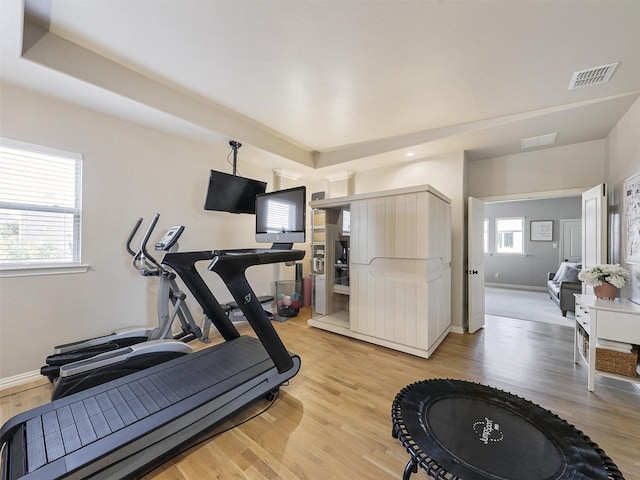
x,y
592,76
539,141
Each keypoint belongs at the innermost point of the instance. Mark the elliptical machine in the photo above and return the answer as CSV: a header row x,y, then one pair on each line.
x,y
135,349
168,290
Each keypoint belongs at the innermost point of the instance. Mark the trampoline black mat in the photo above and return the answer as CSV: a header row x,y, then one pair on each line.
x,y
461,430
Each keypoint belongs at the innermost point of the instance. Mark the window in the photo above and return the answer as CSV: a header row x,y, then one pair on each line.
x,y
40,209
486,235
510,235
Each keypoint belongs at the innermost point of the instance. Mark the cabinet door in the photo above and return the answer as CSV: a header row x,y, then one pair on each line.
x,y
392,306
390,227
400,268
392,300
439,307
438,243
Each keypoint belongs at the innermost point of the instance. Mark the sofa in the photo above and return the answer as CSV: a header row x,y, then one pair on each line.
x,y
563,284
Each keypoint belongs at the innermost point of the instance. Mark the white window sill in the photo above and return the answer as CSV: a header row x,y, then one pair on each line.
x,y
28,271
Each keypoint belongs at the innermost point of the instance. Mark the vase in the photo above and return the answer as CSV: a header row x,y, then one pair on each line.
x,y
606,291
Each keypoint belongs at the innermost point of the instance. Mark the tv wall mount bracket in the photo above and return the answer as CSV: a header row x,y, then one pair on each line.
x,y
235,146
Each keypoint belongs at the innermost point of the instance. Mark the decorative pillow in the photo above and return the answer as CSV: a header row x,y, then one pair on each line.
x,y
562,270
570,275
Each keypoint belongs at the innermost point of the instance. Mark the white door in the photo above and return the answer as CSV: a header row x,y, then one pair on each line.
x,y
571,240
475,272
594,227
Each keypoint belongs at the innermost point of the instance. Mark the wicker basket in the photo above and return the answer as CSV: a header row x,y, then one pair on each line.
x,y
583,343
617,362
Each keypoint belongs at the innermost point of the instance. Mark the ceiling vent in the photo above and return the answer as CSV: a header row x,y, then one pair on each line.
x,y
540,141
592,76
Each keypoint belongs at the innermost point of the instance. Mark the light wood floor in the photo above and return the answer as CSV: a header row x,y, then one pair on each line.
x,y
333,420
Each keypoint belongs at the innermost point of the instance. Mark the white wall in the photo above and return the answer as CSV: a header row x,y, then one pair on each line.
x,y
581,165
128,172
623,161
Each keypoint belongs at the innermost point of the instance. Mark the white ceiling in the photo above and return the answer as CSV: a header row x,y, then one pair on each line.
x,y
335,85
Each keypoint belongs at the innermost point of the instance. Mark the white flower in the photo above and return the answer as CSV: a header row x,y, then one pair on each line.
x,y
596,276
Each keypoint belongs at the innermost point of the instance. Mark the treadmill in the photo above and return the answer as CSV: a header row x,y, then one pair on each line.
x,y
122,427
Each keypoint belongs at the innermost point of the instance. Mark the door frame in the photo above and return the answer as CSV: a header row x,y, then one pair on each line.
x,y
572,192
475,265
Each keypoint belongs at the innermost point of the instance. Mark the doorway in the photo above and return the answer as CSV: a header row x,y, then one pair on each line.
x,y
525,275
571,240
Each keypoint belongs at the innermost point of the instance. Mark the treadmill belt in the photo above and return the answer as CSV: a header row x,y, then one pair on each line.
x,y
82,419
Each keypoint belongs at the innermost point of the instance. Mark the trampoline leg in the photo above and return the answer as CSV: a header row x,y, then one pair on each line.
x,y
412,467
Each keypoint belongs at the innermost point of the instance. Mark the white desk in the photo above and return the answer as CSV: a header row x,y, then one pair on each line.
x,y
617,320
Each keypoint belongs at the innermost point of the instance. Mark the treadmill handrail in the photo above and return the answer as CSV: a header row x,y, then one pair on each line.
x,y
183,263
231,265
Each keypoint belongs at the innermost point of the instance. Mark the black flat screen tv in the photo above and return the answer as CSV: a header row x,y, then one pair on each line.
x,y
280,216
232,193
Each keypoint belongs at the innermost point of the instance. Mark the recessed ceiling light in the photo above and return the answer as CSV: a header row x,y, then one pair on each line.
x,y
539,141
411,154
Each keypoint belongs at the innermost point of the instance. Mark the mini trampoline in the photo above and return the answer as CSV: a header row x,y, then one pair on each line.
x,y
461,430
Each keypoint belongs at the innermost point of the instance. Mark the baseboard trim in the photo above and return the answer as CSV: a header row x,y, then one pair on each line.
x,y
516,287
20,379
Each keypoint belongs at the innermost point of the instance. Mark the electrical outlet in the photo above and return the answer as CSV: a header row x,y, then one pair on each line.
x,y
497,275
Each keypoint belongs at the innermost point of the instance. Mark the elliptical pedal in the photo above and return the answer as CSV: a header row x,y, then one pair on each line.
x,y
52,369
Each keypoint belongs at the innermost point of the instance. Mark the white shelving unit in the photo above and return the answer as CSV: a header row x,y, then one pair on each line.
x,y
617,320
318,262
318,244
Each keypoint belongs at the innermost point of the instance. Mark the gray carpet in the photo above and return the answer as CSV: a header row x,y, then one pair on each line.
x,y
525,305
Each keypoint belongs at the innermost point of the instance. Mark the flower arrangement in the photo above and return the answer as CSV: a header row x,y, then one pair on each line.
x,y
600,274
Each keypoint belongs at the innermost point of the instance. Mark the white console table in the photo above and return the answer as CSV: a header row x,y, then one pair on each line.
x,y
617,320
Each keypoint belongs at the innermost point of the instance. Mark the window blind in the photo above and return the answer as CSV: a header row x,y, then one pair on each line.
x,y
40,205
280,216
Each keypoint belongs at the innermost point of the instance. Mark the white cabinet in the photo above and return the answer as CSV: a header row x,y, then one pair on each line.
x,y
319,294
617,320
399,270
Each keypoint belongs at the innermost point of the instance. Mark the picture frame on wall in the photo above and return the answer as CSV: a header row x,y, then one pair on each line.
x,y
541,231
631,194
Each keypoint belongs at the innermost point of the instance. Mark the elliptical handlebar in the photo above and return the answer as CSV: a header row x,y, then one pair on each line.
x,y
140,258
131,235
145,240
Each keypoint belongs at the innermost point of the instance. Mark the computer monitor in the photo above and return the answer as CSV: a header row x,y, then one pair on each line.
x,y
280,216
232,193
